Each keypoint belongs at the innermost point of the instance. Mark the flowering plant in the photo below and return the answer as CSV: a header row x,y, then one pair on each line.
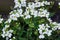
x,y
28,21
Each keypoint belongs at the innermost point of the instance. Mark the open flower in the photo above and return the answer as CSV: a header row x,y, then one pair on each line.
x,y
41,36
1,19
13,17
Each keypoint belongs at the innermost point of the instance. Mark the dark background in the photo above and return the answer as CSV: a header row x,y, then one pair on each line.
x,y
5,7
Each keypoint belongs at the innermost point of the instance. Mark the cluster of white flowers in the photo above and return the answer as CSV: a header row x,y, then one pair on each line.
x,y
6,33
43,29
30,4
26,14
56,26
29,8
43,13
19,4
29,11
15,14
19,13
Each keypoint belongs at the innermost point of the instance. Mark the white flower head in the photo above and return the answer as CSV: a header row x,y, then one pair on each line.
x,y
23,4
31,5
13,17
6,26
59,3
41,36
3,35
37,4
47,3
1,19
27,17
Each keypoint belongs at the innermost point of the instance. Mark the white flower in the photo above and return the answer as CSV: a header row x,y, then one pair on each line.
x,y
32,12
10,31
6,26
42,3
54,28
20,12
47,3
41,36
59,3
14,37
3,31
7,38
17,4
17,15
20,6
49,33
42,27
37,4
9,35
40,31
31,5
43,13
1,19
47,26
3,35
47,14
49,19
23,4
13,17
8,21
35,13
27,16
15,1
58,26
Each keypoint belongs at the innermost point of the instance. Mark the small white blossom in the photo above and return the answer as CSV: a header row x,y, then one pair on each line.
x,y
47,3
59,3
14,37
13,17
3,35
42,3
6,26
1,19
17,15
49,19
37,4
10,35
31,5
27,16
41,36
23,4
